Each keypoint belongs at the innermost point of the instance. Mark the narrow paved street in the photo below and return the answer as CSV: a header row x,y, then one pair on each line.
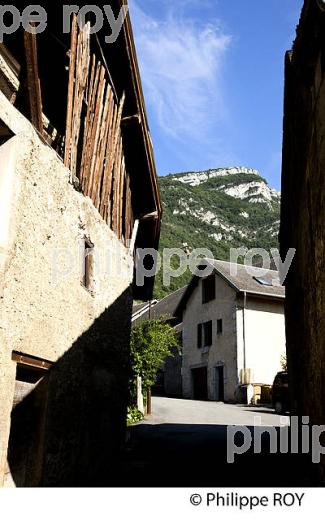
x,y
185,411
184,443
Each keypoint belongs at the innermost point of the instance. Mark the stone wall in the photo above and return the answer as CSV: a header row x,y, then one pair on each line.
x,y
46,312
303,214
223,350
260,353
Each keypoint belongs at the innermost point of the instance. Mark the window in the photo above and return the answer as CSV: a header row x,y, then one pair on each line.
x,y
87,267
219,326
207,333
208,289
204,334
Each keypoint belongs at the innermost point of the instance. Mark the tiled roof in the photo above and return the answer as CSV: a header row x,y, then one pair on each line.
x,y
164,308
251,280
254,281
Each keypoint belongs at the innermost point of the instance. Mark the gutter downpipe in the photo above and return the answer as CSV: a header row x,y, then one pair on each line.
x,y
248,383
244,334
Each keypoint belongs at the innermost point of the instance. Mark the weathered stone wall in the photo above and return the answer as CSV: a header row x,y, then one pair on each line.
x,y
46,312
223,350
260,353
303,214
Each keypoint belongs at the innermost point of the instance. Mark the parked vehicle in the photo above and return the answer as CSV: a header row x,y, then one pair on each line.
x,y
280,392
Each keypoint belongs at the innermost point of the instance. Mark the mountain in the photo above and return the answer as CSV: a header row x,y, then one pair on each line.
x,y
217,209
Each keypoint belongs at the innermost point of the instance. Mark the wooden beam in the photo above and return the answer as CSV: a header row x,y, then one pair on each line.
x,y
33,82
105,204
121,233
95,131
80,85
116,153
131,119
85,145
106,67
134,236
128,208
92,93
31,361
116,186
150,216
72,72
99,172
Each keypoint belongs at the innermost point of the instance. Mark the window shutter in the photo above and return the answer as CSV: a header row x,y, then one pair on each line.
x,y
208,289
219,327
208,334
199,335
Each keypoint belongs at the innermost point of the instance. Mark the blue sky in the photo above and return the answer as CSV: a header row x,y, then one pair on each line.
x,y
212,72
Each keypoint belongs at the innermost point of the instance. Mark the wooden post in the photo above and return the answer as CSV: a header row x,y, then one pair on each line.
x,y
139,395
33,82
149,401
72,72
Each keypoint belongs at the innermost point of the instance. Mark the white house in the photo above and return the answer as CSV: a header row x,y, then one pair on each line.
x,y
233,333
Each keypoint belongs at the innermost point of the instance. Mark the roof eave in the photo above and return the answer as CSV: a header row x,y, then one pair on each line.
x,y
263,295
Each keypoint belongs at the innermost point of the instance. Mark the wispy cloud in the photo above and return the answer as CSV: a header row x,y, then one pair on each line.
x,y
181,63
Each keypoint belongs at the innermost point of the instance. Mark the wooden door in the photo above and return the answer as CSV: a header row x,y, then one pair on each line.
x,y
200,383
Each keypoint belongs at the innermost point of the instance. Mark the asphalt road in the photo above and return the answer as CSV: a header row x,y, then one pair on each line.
x,y
184,444
184,411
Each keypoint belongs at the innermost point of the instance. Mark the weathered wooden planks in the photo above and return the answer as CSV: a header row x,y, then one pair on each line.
x,y
84,168
128,221
82,70
33,82
116,188
101,148
72,66
94,135
94,145
113,161
87,119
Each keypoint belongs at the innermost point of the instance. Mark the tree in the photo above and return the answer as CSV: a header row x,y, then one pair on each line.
x,y
151,342
283,362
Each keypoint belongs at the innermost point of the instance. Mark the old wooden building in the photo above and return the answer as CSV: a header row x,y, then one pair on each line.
x,y
78,195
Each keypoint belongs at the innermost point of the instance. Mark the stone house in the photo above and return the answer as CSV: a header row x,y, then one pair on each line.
x,y
78,195
233,333
302,215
